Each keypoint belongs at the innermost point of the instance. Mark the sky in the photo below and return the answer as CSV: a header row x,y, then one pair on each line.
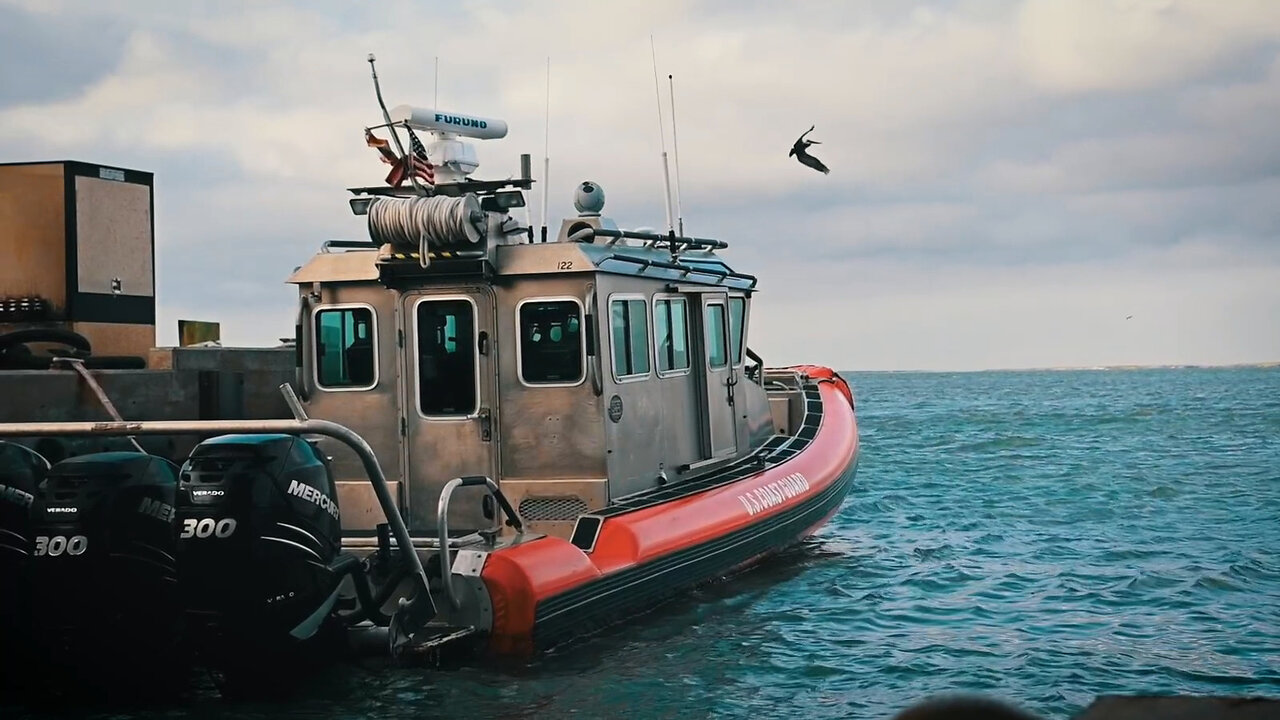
x,y
1041,183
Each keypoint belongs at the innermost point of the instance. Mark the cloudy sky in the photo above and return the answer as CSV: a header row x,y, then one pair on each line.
x,y
1010,180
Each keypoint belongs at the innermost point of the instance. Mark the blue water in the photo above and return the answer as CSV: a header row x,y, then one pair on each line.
x,y
1043,537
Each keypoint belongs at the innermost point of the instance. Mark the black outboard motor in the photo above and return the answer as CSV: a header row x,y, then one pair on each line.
x,y
21,472
258,537
103,580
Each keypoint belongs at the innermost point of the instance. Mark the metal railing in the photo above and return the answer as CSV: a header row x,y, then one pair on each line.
x,y
671,239
442,523
686,270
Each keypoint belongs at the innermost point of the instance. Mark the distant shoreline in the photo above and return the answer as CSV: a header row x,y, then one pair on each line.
x,y
1085,368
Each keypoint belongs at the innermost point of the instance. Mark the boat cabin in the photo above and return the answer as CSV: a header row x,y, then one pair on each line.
x,y
574,372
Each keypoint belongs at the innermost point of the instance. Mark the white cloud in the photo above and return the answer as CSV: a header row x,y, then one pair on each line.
x,y
1116,45
1254,102
1166,158
974,148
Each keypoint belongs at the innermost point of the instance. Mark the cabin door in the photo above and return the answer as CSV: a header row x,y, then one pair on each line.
x,y
450,389
718,378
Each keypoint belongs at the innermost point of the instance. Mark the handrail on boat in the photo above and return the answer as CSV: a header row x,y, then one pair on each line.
x,y
759,374
301,425
672,238
327,245
442,523
646,263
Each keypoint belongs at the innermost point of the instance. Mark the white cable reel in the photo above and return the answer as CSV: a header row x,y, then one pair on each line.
x,y
421,222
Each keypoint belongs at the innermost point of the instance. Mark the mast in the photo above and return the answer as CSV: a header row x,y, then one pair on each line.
x,y
675,147
546,152
666,174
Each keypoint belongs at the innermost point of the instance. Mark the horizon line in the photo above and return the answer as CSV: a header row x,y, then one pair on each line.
x,y
1067,368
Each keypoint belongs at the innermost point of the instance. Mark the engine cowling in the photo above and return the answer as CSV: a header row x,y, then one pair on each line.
x,y
21,472
102,574
257,533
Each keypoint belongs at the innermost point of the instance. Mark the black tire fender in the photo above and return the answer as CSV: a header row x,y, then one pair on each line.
x,y
54,335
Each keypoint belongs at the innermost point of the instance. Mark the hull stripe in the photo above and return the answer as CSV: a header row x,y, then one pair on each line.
x,y
620,595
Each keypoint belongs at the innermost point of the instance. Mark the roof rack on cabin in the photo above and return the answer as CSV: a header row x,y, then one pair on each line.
x,y
722,276
588,234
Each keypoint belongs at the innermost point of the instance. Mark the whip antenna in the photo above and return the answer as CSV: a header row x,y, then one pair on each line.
x,y
675,147
386,116
666,174
546,152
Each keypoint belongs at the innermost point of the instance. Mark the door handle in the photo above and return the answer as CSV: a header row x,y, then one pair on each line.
x,y
486,425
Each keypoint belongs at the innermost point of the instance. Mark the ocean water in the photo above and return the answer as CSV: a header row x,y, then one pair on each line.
x,y
1041,537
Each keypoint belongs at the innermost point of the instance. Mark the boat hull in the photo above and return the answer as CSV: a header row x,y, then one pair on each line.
x,y
549,590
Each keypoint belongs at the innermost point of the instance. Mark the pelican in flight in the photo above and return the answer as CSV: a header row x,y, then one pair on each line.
x,y
800,151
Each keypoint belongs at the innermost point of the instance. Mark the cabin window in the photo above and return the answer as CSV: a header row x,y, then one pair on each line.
x,y
717,353
346,348
671,334
446,341
551,342
630,324
737,321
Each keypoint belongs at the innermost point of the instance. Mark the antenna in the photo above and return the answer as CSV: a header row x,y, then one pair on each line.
x,y
666,175
546,153
675,146
386,117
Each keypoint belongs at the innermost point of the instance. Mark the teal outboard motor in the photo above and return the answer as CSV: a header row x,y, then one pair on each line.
x,y
258,550
102,573
21,472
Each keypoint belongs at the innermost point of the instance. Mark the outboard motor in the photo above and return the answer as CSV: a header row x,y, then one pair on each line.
x,y
103,580
258,543
21,472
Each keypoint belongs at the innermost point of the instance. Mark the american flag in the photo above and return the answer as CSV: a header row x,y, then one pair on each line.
x,y
417,159
418,154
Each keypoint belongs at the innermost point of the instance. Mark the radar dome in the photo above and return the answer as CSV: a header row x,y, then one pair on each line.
x,y
589,199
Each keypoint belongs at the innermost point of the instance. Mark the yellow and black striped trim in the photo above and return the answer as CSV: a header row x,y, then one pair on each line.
x,y
417,256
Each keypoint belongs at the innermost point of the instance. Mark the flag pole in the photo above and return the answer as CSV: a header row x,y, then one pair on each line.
x,y
395,136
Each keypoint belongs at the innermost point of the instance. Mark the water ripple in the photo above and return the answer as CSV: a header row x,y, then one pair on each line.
x,y
1044,537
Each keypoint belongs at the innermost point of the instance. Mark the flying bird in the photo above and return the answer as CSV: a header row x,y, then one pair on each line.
x,y
799,149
